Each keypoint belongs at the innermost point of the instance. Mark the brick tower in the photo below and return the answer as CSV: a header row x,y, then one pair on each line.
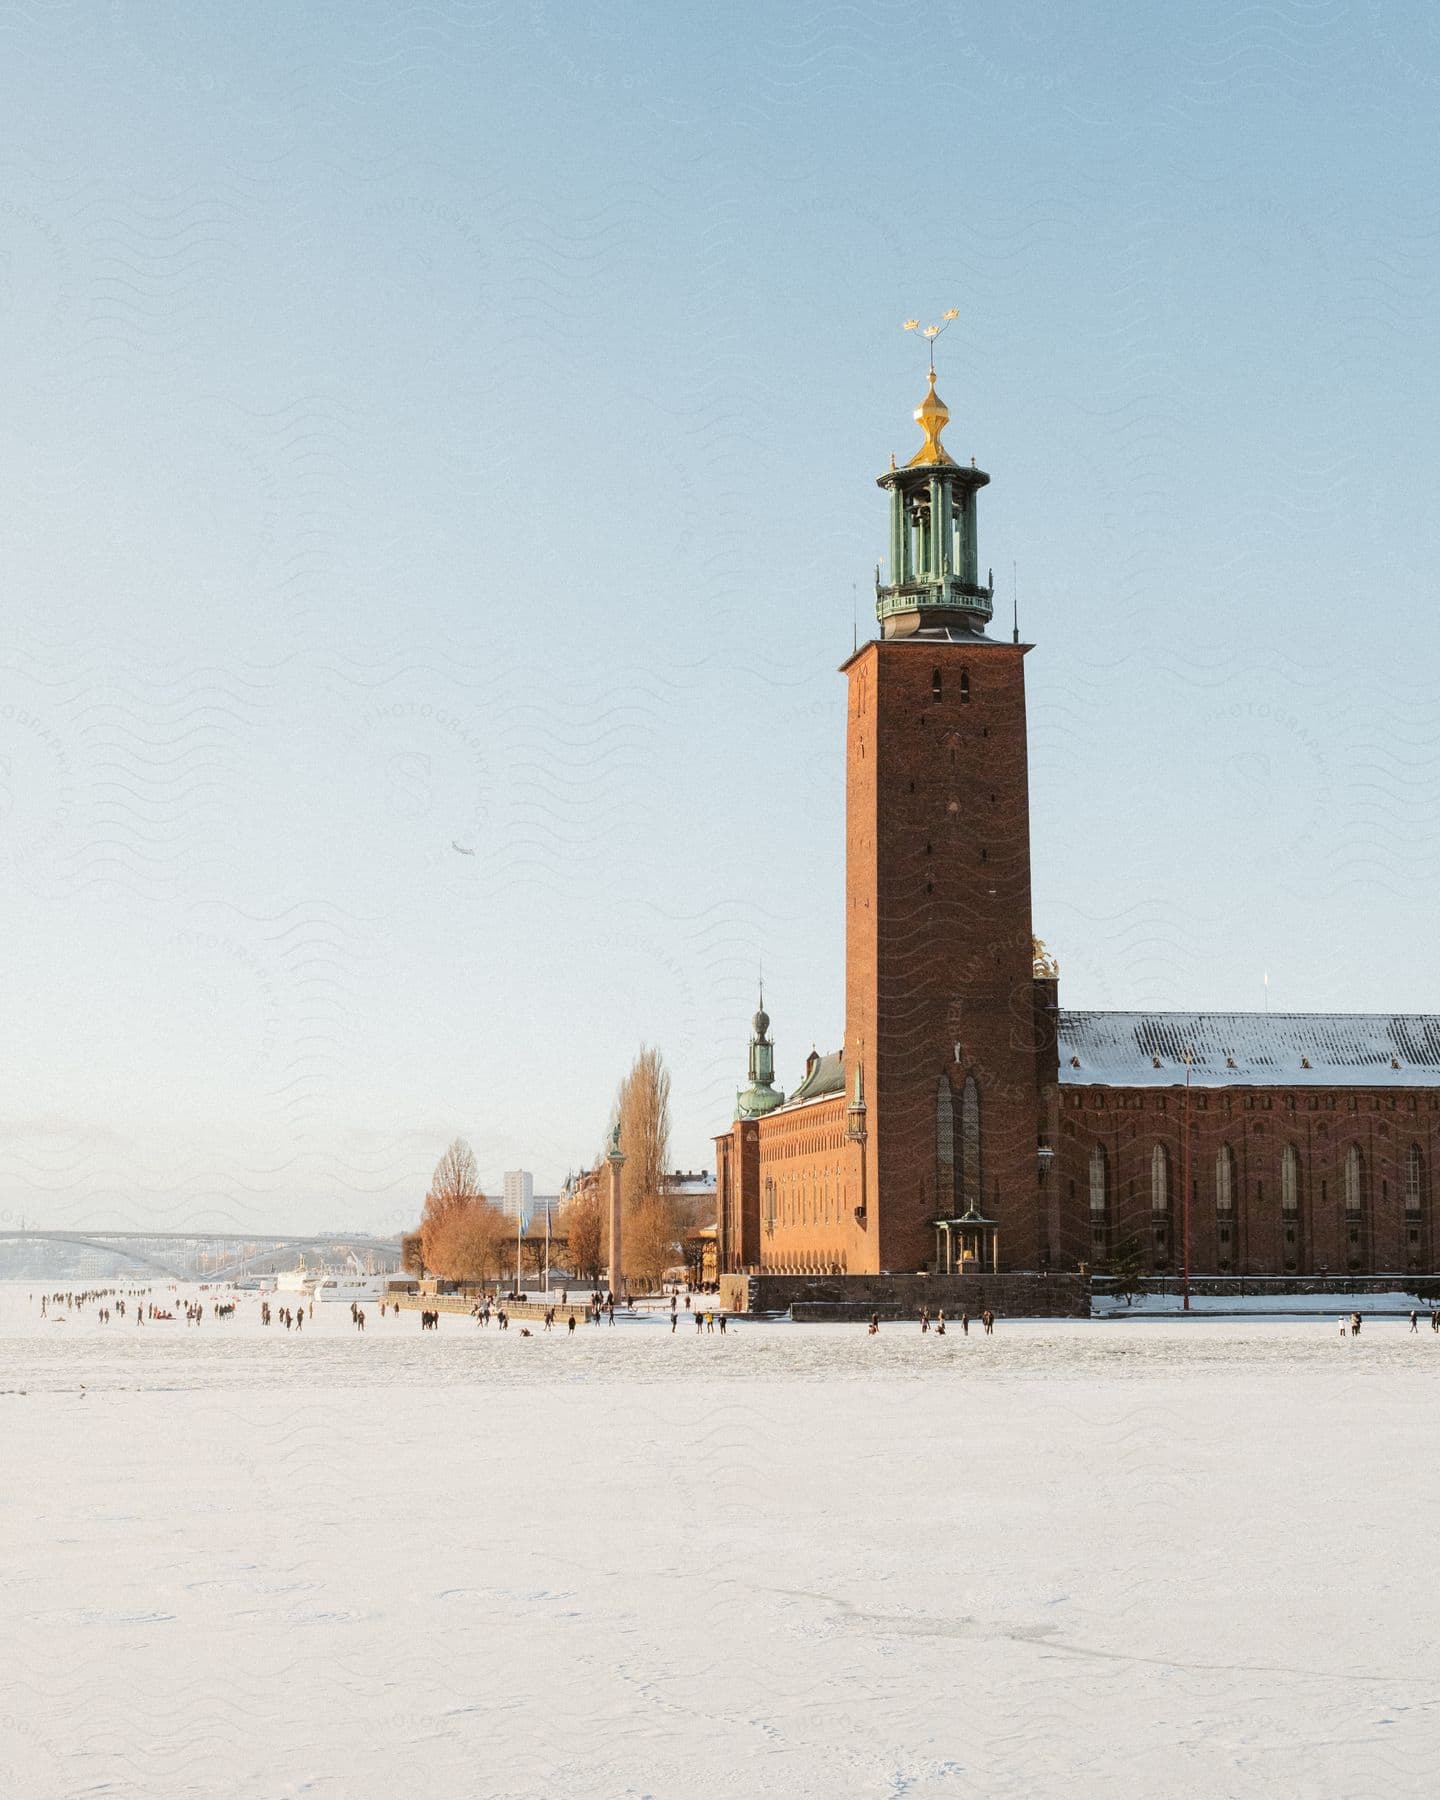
x,y
941,1009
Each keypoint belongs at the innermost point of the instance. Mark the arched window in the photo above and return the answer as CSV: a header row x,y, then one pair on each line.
x,y
1353,1179
1290,1180
1099,1180
1159,1179
964,687
1414,1179
935,685
945,1187
970,1142
1225,1179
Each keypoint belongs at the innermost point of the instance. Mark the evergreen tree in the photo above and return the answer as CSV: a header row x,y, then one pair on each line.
x,y
1127,1268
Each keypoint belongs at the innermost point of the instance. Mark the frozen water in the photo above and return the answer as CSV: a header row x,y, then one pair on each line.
x,y
1125,1558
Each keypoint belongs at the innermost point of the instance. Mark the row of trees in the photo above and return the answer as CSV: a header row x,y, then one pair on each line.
x,y
463,1237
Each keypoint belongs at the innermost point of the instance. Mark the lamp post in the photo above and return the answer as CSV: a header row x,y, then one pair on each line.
x,y
1044,1158
615,1157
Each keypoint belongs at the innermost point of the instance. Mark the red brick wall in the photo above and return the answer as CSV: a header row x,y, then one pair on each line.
x,y
1256,1124
807,1222
938,947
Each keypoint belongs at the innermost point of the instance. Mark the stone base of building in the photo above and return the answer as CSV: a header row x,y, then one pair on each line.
x,y
814,1298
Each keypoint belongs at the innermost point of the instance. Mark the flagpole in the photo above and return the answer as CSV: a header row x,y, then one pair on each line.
x,y
547,1249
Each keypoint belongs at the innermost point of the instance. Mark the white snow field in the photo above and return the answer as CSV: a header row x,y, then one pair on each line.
x,y
1116,1558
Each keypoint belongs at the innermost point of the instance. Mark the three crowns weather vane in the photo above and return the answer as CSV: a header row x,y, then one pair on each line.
x,y
934,331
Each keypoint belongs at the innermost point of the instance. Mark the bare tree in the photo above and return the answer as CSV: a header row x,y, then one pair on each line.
x,y
651,1244
454,1186
582,1224
643,1104
478,1236
412,1259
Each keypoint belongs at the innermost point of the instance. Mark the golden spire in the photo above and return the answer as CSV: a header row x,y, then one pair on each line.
x,y
932,415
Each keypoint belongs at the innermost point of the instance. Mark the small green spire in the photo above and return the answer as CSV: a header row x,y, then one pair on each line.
x,y
762,1096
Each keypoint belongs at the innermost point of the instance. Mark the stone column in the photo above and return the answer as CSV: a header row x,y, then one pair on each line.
x,y
616,1160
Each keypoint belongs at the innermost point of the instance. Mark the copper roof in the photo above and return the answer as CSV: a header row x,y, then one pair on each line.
x,y
824,1076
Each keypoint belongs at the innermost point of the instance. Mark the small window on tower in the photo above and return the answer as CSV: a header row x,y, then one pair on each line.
x,y
935,684
964,687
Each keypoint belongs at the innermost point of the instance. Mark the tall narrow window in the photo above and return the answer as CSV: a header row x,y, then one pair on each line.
x,y
1414,1179
935,684
1290,1180
945,1186
1099,1181
964,687
1353,1182
1159,1179
970,1142
1225,1179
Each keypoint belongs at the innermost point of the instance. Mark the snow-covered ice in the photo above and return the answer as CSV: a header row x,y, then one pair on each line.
x,y
1262,1305
1152,1558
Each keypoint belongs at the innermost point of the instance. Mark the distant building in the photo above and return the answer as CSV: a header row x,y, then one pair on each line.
x,y
698,1184
540,1206
519,1196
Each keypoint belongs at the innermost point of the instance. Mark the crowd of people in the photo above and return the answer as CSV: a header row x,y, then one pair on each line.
x,y
109,1304
937,1324
1351,1327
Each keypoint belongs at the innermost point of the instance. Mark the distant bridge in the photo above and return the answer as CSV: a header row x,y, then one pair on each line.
x,y
214,1255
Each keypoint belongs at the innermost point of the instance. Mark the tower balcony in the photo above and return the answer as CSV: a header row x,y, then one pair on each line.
x,y
935,600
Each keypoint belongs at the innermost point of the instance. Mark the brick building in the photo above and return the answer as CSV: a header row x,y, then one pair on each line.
x,y
969,1121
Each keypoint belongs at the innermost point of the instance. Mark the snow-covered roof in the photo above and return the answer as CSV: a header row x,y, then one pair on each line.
x,y
1144,1049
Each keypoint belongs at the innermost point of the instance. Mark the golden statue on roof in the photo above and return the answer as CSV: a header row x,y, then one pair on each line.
x,y
1043,962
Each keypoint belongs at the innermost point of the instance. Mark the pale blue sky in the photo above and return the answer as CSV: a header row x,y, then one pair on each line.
x,y
459,424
